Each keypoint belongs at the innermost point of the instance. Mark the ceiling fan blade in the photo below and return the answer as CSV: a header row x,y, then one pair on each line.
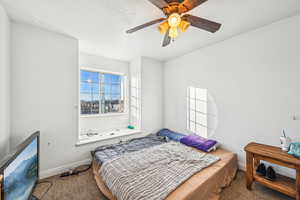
x,y
188,5
202,23
159,3
167,39
145,25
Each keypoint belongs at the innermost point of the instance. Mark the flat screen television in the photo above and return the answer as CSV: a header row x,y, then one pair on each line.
x,y
21,171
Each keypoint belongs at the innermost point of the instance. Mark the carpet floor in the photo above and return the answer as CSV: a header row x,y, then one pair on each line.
x,y
83,187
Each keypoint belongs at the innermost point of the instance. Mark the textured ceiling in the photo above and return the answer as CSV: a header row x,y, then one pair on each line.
x,y
100,25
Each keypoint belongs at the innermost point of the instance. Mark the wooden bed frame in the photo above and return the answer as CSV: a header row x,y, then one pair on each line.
x,y
101,185
206,184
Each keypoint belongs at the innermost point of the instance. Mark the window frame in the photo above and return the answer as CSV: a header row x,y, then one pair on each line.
x,y
99,70
135,105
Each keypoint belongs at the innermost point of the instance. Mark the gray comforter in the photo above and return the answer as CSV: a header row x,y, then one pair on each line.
x,y
108,152
152,173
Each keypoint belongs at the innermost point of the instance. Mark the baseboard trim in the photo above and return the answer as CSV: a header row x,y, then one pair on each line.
x,y
58,170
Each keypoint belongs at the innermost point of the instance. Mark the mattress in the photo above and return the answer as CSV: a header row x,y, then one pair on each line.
x,y
206,184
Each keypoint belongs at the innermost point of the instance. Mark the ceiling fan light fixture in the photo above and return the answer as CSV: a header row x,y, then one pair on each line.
x,y
163,27
173,33
176,17
174,20
184,25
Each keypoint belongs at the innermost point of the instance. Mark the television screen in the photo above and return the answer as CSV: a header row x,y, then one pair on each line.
x,y
21,175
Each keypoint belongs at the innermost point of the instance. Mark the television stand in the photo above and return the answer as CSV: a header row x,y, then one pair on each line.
x,y
33,198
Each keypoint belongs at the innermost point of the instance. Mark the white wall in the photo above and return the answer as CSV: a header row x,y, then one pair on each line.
x,y
44,90
152,95
254,79
147,88
4,82
106,123
45,94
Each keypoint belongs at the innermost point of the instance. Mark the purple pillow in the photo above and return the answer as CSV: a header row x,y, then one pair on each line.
x,y
198,142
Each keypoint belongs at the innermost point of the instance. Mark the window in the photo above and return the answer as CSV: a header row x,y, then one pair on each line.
x,y
135,107
197,111
101,93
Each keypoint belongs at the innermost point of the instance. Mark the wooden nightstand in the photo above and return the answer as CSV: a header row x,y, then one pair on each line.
x,y
256,152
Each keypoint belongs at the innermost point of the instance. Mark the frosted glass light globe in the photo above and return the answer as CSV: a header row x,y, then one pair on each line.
x,y
174,20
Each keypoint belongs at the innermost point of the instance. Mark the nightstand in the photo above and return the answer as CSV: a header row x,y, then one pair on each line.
x,y
256,152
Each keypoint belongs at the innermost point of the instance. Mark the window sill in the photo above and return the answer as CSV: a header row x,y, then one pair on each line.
x,y
104,115
107,136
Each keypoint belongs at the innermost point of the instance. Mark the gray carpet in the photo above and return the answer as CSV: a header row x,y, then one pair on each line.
x,y
83,187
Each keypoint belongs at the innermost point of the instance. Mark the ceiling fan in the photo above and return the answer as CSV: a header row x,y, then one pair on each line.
x,y
176,18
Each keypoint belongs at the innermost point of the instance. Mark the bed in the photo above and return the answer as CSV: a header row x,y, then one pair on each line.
x,y
206,184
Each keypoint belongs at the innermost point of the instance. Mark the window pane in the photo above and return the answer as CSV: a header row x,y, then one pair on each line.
x,y
102,106
192,93
89,92
192,126
89,107
202,131
91,88
201,106
192,104
122,107
192,116
116,79
102,78
116,89
107,106
88,76
102,95
111,93
115,106
201,119
201,94
107,89
107,97
85,88
107,79
116,97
